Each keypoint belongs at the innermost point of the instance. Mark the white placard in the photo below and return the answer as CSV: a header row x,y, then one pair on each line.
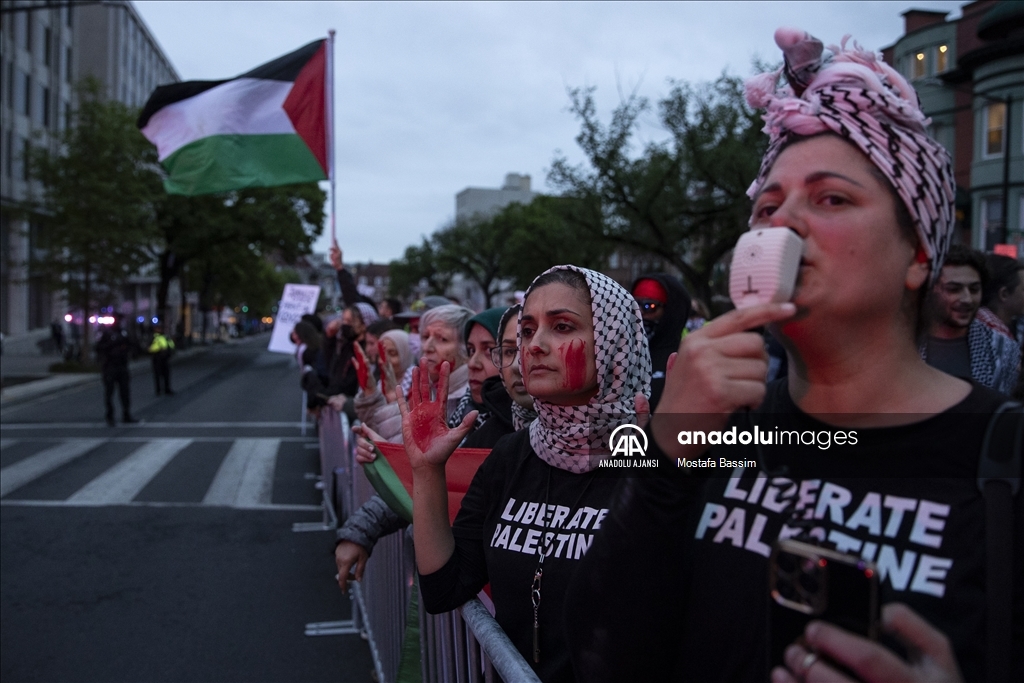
x,y
296,301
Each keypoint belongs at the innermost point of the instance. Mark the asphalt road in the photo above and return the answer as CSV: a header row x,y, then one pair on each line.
x,y
164,551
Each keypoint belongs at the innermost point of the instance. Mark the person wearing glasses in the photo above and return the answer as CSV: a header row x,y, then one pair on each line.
x,y
665,307
505,396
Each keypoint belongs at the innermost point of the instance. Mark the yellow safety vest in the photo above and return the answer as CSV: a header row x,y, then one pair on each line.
x,y
160,343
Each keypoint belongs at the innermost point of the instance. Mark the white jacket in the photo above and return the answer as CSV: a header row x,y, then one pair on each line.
x,y
384,418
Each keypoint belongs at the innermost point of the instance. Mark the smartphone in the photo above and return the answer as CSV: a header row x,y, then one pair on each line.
x,y
765,265
807,582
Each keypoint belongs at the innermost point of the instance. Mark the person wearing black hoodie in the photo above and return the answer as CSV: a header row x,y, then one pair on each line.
x,y
665,305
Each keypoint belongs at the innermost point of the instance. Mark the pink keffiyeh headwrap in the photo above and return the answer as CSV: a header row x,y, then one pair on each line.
x,y
854,94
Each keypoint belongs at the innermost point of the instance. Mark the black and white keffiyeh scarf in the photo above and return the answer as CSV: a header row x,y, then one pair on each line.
x,y
573,438
853,93
521,416
466,404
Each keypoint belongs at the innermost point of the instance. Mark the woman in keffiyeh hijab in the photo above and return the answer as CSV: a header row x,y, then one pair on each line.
x,y
536,502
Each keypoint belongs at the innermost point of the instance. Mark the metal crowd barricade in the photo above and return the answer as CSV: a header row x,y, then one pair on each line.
x,y
463,646
336,460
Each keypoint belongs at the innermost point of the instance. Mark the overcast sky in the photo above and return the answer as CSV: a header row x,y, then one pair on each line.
x,y
432,98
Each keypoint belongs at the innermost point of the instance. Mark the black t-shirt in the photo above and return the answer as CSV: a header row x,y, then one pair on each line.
x,y
515,504
952,356
903,497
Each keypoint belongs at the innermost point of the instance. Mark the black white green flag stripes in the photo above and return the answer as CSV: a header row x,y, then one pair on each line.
x,y
266,127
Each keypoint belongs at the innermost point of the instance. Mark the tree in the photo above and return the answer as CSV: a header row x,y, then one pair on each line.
x,y
541,234
418,264
98,196
231,236
474,248
683,199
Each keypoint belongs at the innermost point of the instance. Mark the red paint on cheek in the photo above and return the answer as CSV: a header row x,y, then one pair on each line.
x,y
575,359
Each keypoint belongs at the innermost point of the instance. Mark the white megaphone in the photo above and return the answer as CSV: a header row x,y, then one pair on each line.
x,y
765,265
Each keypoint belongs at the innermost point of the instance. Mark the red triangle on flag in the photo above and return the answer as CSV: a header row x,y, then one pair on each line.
x,y
305,106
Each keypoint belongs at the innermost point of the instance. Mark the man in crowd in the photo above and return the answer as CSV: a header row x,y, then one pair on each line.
x,y
115,348
665,307
1003,299
389,308
957,342
161,350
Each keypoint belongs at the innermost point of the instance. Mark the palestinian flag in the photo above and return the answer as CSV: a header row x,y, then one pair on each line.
x,y
264,128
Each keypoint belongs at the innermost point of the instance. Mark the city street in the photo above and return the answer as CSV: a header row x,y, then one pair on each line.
x,y
164,550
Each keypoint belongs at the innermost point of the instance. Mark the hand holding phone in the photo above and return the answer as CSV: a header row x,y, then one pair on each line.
x,y
807,582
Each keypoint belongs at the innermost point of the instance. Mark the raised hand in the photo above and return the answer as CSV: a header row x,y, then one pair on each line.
x,y
336,256
387,373
362,365
429,442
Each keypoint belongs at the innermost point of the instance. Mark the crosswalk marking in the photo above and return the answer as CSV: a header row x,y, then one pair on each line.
x,y
122,482
246,477
22,472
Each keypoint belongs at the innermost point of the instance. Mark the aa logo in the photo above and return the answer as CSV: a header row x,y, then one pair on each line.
x,y
628,440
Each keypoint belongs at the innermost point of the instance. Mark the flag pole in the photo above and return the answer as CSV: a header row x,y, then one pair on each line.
x,y
329,113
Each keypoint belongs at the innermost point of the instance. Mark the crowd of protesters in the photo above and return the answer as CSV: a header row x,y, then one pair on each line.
x,y
893,334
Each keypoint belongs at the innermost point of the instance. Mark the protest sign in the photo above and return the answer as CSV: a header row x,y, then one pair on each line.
x,y
296,301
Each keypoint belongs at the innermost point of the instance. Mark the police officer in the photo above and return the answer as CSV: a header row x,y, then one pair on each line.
x,y
161,350
115,348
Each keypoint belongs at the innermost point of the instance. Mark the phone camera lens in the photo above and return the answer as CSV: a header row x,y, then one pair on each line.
x,y
787,563
809,583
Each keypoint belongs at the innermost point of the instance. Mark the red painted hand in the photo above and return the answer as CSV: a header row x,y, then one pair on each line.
x,y
386,374
362,365
429,442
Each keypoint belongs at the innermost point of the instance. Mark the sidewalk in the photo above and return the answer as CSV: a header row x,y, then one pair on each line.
x,y
44,382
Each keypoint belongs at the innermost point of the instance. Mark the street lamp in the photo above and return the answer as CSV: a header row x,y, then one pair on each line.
x,y
1007,102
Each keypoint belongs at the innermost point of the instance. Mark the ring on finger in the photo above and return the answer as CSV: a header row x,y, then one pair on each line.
x,y
808,661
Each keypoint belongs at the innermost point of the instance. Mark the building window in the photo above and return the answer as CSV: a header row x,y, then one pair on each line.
x,y
46,107
995,124
47,46
10,86
26,94
67,115
67,17
942,59
919,65
9,154
992,220
26,152
21,28
15,159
